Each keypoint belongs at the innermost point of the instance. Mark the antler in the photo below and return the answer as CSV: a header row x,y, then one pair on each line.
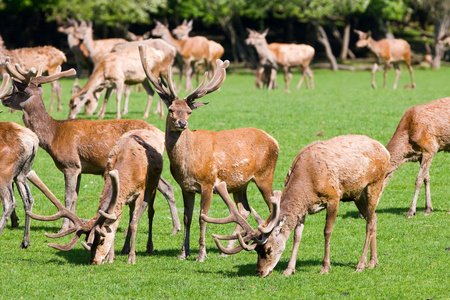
x,y
5,83
166,94
81,225
215,82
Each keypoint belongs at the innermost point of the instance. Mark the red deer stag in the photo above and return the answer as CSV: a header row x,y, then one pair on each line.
x,y
285,55
115,70
345,168
423,131
131,178
388,51
192,50
18,147
46,56
200,158
76,146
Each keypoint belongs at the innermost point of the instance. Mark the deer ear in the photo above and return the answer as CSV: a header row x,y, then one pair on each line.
x,y
265,32
195,105
369,33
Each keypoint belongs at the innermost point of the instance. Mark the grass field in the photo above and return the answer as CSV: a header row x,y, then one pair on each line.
x,y
413,253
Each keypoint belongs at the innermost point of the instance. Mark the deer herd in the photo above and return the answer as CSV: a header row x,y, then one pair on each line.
x,y
129,153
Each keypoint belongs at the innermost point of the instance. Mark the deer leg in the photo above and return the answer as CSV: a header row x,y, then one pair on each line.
x,y
386,68
9,203
273,77
287,79
167,190
119,91
311,76
14,219
297,238
27,199
127,245
374,69
135,214
76,85
413,85
188,200
101,112
205,204
422,177
189,72
398,72
332,209
150,93
127,91
151,214
72,178
299,85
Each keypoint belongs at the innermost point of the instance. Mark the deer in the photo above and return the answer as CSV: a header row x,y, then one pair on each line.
x,y
78,49
76,146
116,70
283,55
387,51
201,158
192,50
131,178
344,168
422,132
18,146
46,56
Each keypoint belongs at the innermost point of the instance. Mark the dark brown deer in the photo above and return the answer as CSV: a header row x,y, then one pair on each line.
x,y
199,159
76,146
18,147
388,51
131,178
423,131
344,168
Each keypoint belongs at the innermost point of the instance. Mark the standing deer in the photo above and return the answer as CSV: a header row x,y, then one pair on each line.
x,y
201,158
78,49
114,71
423,131
18,147
76,146
344,168
131,178
388,51
46,56
192,50
285,55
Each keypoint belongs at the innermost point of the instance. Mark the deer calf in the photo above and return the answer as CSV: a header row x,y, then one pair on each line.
x,y
422,132
131,178
344,168
388,51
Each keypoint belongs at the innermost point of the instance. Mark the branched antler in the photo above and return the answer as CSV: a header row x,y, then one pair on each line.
x,y
5,83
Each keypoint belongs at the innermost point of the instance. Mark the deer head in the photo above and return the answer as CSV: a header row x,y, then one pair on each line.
x,y
100,230
267,241
27,84
182,31
364,38
179,110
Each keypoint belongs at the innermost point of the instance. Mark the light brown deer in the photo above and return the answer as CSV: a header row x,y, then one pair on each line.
x,y
76,146
285,55
344,168
192,50
116,70
387,51
199,159
131,178
423,131
18,147
46,56
78,49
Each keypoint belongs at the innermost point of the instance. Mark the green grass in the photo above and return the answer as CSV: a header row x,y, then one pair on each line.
x,y
413,253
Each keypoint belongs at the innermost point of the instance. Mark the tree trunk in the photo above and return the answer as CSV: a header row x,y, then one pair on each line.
x,y
345,51
441,27
323,39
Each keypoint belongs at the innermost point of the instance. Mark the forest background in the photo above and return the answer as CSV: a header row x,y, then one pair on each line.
x,y
327,25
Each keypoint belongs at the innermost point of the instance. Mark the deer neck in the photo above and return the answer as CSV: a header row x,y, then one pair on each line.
x,y
178,44
264,53
88,42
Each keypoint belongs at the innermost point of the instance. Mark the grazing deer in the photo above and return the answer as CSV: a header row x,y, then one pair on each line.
x,y
78,49
131,178
18,147
388,51
46,56
114,71
344,168
76,146
422,132
285,55
200,158
192,50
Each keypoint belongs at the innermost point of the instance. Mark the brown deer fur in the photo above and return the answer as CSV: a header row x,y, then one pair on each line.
x,y
76,146
344,168
388,51
422,132
199,159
